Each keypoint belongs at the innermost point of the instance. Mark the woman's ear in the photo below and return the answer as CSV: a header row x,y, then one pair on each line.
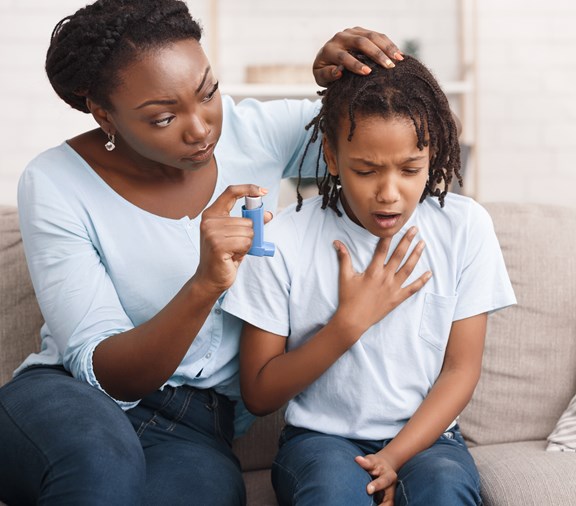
x,y
330,157
101,116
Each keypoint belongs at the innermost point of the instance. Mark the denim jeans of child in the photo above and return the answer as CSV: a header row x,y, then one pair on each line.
x,y
64,442
313,468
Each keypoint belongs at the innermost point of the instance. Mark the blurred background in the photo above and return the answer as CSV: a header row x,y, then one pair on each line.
x,y
508,67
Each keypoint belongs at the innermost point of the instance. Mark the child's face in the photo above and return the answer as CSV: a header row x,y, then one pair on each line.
x,y
382,172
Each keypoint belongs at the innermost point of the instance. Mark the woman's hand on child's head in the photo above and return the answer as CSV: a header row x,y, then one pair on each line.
x,y
366,298
224,240
383,486
335,54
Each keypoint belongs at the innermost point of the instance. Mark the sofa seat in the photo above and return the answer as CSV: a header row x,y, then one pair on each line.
x,y
524,474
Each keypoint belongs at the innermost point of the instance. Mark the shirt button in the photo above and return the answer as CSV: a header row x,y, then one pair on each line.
x,y
208,355
218,311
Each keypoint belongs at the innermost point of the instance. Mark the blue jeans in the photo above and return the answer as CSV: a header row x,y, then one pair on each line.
x,y
313,468
64,442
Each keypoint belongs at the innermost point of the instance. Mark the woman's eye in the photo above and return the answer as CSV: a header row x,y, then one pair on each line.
x,y
163,122
212,92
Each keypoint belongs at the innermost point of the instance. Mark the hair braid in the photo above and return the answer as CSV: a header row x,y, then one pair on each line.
x,y
408,90
89,48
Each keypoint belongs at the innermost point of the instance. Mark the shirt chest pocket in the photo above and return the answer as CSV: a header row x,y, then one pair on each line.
x,y
436,321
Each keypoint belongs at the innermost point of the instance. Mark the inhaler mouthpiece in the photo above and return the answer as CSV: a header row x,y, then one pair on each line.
x,y
252,202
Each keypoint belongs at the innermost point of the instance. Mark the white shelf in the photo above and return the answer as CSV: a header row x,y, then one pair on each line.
x,y
271,91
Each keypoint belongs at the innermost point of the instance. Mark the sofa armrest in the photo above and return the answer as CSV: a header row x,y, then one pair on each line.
x,y
20,317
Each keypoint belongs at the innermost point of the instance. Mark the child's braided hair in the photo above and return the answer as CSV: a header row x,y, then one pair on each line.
x,y
409,90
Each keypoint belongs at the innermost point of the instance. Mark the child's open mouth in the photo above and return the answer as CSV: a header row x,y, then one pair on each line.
x,y
387,220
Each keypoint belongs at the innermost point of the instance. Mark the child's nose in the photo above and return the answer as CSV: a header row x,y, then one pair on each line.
x,y
387,192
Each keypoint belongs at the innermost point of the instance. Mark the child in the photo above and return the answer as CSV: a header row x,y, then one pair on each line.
x,y
376,347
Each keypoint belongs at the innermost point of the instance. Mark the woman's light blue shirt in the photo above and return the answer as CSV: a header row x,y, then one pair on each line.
x,y
101,266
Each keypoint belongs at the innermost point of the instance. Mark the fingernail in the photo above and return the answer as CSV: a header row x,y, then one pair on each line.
x,y
335,244
398,56
412,231
366,70
389,64
264,191
370,489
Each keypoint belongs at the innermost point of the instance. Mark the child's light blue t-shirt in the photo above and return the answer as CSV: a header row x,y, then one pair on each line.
x,y
376,386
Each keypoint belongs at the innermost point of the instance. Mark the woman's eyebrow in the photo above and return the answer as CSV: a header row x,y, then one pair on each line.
x,y
172,101
203,79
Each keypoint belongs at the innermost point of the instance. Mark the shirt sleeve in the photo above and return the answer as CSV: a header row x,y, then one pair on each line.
x,y
281,127
261,293
78,301
483,285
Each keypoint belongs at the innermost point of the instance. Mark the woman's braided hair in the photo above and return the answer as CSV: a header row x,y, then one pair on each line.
x,y
89,48
409,90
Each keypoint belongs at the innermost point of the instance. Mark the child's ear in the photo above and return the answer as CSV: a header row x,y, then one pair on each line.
x,y
330,157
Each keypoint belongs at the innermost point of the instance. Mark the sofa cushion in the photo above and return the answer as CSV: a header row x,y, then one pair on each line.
x,y
529,368
263,434
563,437
259,491
524,474
20,318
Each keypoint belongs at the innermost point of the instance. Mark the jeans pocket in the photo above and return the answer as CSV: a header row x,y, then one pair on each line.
x,y
454,436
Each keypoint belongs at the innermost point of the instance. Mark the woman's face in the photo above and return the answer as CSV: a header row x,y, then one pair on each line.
x,y
168,109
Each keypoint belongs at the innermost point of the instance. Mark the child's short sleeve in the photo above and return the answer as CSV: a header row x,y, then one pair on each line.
x,y
484,285
261,293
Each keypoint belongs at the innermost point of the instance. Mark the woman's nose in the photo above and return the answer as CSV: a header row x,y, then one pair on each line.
x,y
196,129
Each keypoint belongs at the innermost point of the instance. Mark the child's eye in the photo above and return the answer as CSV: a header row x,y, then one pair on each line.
x,y
163,122
363,172
212,92
412,171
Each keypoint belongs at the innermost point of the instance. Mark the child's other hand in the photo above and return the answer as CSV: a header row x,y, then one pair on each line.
x,y
335,54
383,486
367,297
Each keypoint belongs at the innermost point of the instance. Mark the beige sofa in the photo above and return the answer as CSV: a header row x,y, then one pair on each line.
x,y
528,378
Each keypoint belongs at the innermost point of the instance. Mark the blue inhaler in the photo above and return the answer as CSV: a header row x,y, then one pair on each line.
x,y
254,209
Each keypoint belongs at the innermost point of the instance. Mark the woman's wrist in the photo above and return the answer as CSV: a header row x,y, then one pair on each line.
x,y
201,292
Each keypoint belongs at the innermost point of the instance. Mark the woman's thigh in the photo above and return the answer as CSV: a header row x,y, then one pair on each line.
x,y
186,435
443,475
312,468
65,442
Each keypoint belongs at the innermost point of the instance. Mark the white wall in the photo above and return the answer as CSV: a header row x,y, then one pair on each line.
x,y
527,100
526,97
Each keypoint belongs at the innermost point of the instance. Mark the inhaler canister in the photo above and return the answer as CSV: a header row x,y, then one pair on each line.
x,y
254,209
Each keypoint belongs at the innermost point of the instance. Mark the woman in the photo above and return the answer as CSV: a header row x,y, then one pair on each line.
x,y
132,234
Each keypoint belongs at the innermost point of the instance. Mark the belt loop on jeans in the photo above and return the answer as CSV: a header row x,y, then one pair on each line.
x,y
212,401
